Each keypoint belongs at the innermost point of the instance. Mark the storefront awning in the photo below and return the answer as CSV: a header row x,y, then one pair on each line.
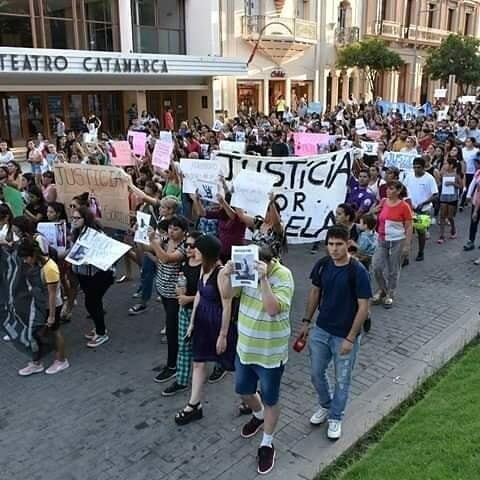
x,y
26,68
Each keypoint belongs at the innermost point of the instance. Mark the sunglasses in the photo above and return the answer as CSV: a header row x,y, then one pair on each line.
x,y
190,245
77,218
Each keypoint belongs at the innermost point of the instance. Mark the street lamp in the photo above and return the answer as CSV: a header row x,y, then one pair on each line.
x,y
417,21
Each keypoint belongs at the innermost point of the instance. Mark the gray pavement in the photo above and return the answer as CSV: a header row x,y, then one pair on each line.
x,y
104,417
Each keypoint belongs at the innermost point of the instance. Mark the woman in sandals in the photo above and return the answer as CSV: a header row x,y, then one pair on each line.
x,y
213,336
394,226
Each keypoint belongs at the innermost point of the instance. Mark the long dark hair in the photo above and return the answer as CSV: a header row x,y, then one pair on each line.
x,y
30,248
89,221
5,212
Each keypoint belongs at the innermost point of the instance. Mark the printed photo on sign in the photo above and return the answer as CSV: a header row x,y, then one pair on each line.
x,y
143,223
245,272
55,233
208,190
78,254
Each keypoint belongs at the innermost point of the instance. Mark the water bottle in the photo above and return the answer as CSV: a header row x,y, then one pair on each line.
x,y
182,283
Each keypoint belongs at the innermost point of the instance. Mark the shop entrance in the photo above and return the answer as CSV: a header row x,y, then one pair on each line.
x,y
275,89
159,102
250,96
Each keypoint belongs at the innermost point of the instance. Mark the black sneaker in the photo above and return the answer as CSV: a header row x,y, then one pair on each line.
x,y
137,309
419,258
173,389
165,375
217,375
251,427
266,459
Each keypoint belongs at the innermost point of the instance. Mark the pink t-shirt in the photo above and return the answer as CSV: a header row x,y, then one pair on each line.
x,y
391,221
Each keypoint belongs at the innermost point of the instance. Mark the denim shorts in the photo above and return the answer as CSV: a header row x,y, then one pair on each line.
x,y
247,377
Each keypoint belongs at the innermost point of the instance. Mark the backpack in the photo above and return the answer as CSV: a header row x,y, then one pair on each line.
x,y
352,274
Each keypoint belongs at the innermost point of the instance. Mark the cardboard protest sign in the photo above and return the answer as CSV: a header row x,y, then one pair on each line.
x,y
195,172
308,189
360,126
107,185
138,141
122,154
440,93
374,134
97,249
251,192
55,233
14,199
468,98
233,147
162,154
310,143
166,136
402,161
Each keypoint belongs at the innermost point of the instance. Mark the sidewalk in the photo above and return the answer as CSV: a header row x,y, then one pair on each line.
x,y
104,418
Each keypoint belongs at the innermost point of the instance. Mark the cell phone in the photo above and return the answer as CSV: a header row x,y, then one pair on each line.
x,y
187,338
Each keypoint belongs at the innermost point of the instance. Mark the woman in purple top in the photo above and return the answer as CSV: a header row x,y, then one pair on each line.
x,y
231,230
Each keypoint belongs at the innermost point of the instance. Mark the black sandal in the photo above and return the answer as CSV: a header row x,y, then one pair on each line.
x,y
183,417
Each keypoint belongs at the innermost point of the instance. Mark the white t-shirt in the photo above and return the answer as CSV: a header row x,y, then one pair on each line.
x,y
420,189
6,157
469,157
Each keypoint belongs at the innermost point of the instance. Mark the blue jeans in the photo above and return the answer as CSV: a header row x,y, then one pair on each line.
x,y
147,276
323,348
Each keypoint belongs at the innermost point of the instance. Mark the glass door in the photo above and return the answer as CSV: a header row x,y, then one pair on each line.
x,y
34,115
11,122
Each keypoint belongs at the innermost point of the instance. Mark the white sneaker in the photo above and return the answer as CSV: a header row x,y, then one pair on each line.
x,y
98,340
30,369
334,429
319,416
57,366
6,338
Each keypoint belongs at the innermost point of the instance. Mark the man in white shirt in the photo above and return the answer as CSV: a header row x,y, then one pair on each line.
x,y
422,189
5,154
473,130
470,153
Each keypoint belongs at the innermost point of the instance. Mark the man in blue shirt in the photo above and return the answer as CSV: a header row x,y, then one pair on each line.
x,y
360,196
341,291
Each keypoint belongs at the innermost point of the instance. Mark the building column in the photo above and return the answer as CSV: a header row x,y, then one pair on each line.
x,y
356,85
125,19
392,86
266,97
288,92
229,95
345,84
333,100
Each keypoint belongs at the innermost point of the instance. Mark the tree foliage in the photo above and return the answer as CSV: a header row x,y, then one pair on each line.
x,y
372,56
457,55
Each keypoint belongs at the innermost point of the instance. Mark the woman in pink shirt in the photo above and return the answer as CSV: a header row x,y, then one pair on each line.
x,y
394,227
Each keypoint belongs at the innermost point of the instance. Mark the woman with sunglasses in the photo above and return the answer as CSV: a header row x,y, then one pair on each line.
x,y
93,281
190,273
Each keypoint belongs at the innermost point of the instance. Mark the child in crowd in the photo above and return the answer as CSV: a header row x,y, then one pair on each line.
x,y
367,240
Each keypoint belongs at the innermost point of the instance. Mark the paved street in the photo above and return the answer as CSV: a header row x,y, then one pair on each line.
x,y
104,418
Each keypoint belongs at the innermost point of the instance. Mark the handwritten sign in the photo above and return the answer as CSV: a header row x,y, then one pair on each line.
x,y
369,148
440,93
314,107
360,126
122,154
374,134
107,185
195,172
166,136
402,161
308,189
310,143
138,141
162,154
233,147
251,192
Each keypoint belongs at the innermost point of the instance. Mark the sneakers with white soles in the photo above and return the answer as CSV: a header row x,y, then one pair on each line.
x,y
334,429
319,416
57,366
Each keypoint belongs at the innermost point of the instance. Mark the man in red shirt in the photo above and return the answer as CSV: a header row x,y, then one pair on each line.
x,y
191,144
168,121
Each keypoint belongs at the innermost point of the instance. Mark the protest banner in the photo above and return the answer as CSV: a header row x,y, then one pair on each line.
x,y
307,189
440,93
360,126
97,249
141,233
374,134
106,184
55,233
195,172
166,136
137,141
310,143
14,199
122,154
369,148
314,107
251,192
162,153
233,147
402,161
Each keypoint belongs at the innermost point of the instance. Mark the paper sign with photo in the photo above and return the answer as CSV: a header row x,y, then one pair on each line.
x,y
166,136
162,153
122,154
360,126
143,223
208,190
251,192
310,143
369,148
55,233
245,272
137,140
196,171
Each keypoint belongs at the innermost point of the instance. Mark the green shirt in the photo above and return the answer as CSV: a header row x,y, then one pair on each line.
x,y
263,339
172,190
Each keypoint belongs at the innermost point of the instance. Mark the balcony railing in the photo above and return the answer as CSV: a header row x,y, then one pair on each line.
x,y
387,29
279,28
432,36
346,35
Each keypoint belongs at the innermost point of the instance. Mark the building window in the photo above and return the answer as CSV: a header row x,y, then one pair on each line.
x,y
383,13
303,9
159,26
408,13
64,24
468,21
450,14
431,13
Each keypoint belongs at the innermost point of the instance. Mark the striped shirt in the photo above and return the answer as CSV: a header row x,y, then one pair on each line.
x,y
263,339
167,274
